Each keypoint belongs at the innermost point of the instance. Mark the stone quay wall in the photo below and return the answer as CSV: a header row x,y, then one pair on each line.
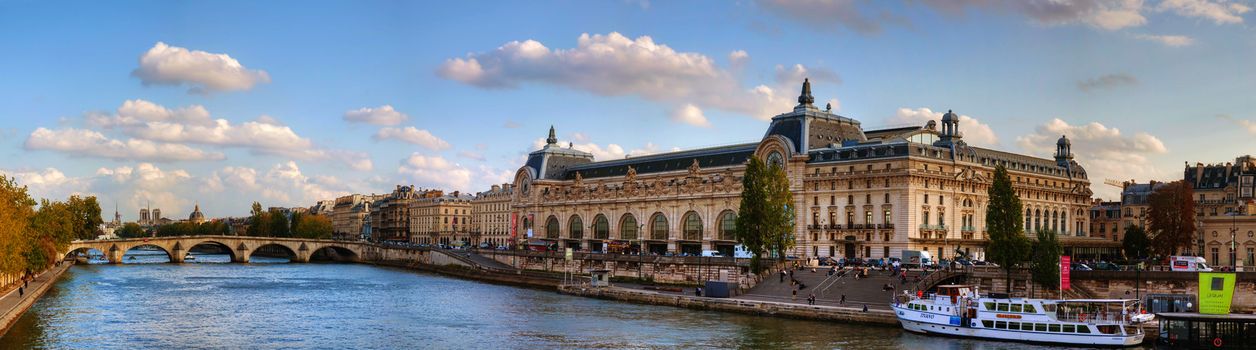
x,y
674,270
752,307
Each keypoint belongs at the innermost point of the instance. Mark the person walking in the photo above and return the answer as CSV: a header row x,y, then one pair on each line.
x,y
21,291
782,275
795,296
843,301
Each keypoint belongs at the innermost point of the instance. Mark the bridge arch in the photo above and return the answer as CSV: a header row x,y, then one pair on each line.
x,y
294,253
125,251
193,243
335,252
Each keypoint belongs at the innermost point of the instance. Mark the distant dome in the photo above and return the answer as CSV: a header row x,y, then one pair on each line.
x,y
196,216
949,117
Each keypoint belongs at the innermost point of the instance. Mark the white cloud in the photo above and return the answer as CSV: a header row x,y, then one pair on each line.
x,y
204,72
241,178
738,59
1105,152
287,184
147,184
413,135
975,132
89,143
1219,11
49,183
1167,40
600,152
137,112
1107,15
690,114
615,65
382,115
436,171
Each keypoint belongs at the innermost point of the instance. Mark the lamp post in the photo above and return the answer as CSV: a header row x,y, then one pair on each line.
x,y
640,250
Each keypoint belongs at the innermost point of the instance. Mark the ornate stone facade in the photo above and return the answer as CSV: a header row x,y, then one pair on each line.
x,y
437,218
857,194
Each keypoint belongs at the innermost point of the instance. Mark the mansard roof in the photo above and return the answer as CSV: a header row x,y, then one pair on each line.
x,y
729,155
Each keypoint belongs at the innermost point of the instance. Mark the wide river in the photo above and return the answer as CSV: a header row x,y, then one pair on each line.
x,y
271,304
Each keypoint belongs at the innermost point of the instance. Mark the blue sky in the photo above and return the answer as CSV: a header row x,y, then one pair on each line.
x,y
301,101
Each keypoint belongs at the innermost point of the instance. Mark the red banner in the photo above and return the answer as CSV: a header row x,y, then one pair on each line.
x,y
1064,269
514,227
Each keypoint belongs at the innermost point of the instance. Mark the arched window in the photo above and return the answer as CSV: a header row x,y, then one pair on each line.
x,y
1029,217
575,227
551,227
658,227
693,227
628,227
728,225
601,227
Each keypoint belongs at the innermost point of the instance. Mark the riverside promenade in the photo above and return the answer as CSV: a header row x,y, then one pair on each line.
x,y
13,305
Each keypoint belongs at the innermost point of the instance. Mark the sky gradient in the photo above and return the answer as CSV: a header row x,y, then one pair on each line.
x,y
287,102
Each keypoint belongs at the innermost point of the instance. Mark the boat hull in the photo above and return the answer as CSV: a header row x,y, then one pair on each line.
x,y
921,325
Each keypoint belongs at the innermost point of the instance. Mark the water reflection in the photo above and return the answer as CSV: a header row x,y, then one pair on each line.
x,y
214,304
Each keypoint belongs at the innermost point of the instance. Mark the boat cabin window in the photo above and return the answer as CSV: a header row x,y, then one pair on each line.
x,y
1029,308
1027,326
1016,308
1068,328
1013,325
987,323
1053,328
989,305
1083,329
1041,327
1048,307
1000,324
1108,329
1002,307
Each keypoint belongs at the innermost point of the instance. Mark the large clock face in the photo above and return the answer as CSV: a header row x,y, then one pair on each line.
x,y
774,158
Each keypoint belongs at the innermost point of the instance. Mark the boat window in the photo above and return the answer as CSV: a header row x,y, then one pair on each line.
x,y
1027,326
1068,328
1054,328
1107,329
1029,308
1041,327
1002,307
989,306
1013,325
1083,329
1016,308
1000,324
1048,307
987,323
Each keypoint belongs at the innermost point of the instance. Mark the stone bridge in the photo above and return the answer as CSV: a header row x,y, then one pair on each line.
x,y
241,248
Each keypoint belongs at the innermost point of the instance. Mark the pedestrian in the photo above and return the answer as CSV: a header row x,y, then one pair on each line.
x,y
782,275
865,309
795,296
843,301
811,299
20,292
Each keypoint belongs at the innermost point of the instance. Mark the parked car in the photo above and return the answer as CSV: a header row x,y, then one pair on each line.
x,y
1081,267
1106,266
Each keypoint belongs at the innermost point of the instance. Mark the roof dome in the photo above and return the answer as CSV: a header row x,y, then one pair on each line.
x,y
949,117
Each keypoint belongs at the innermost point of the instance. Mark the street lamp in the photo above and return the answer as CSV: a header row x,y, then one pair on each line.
x,y
640,250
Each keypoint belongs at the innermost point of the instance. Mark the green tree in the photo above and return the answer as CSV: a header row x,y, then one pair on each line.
x,y
1136,244
279,224
1008,245
16,210
1045,266
765,218
259,221
130,230
312,226
750,223
1171,218
86,213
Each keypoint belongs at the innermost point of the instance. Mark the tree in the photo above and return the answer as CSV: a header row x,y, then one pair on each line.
x,y
1135,244
279,224
764,220
259,221
1171,218
1008,245
130,230
86,213
1045,267
16,211
312,226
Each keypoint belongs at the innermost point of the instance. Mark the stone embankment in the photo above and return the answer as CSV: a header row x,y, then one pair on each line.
x,y
752,307
13,305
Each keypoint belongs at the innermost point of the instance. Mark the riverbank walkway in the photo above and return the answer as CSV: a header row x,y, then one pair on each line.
x,y
13,304
829,289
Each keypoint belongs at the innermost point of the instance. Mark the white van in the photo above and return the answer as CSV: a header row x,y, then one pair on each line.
x,y
1189,263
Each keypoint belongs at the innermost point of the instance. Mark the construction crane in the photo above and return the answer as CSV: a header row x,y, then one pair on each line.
x,y
1114,183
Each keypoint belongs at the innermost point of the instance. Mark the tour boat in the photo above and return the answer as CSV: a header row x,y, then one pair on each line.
x,y
959,310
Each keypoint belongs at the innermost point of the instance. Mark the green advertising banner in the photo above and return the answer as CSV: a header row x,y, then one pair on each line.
x,y
1216,290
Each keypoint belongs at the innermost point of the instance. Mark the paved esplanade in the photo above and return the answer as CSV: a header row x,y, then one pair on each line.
x,y
240,247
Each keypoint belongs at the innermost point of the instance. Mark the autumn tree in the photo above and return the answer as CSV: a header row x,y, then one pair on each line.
x,y
130,230
312,226
1171,218
16,210
86,214
259,221
1135,244
279,225
1008,245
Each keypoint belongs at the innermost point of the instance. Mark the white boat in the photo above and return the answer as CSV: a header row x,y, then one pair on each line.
x,y
959,310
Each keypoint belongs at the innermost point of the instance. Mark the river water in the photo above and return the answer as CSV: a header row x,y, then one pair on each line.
x,y
271,304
